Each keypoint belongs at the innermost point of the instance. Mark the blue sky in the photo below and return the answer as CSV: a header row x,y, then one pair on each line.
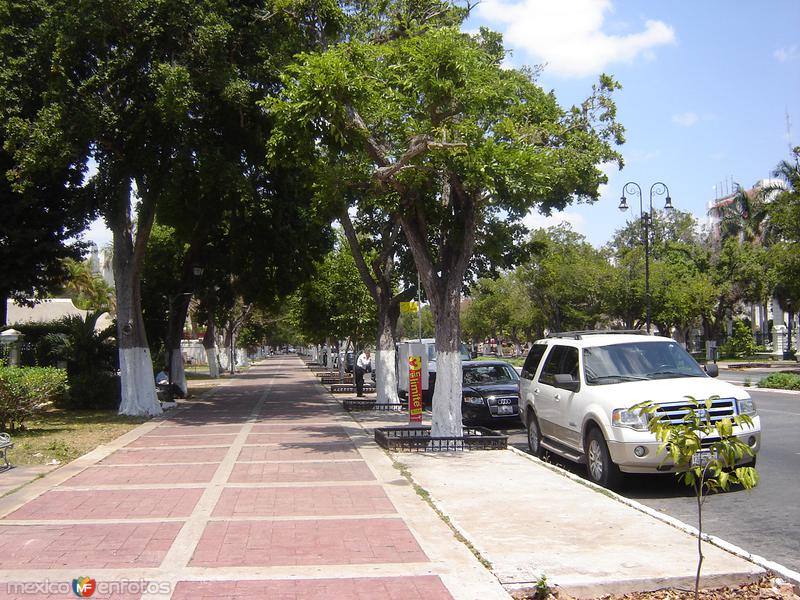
x,y
706,89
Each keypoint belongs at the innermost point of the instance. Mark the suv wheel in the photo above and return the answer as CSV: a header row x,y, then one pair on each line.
x,y
601,469
534,436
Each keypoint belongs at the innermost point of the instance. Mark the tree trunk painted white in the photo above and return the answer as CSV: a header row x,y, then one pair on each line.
x,y
224,360
213,362
446,418
210,346
177,372
137,383
386,377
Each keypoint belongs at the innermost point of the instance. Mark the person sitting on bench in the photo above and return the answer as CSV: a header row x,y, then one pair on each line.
x,y
164,384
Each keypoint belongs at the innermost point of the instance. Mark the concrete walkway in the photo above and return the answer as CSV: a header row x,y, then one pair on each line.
x,y
265,489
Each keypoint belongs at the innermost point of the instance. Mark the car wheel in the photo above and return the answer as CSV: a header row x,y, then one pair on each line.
x,y
601,468
534,436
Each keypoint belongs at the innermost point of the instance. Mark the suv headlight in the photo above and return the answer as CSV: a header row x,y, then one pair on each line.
x,y
633,419
746,406
473,400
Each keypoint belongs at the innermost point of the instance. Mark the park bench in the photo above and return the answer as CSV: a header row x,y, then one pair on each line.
x,y
327,379
5,445
350,388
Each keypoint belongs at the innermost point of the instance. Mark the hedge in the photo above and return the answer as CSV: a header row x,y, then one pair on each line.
x,y
25,390
781,381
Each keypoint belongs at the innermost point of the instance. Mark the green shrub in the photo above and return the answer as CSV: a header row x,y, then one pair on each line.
x,y
781,381
99,390
25,390
741,343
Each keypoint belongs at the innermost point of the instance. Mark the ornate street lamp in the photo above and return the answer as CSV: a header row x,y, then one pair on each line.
x,y
657,189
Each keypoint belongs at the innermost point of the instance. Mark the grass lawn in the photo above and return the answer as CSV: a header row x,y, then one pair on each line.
x,y
516,361
64,435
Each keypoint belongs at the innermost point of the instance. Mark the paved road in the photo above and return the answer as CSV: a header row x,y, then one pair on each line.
x,y
765,520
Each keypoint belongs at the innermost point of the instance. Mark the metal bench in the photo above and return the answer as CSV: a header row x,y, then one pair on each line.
x,y
5,445
328,379
350,388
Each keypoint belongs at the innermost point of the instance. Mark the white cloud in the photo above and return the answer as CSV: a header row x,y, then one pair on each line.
x,y
787,54
568,35
686,119
536,220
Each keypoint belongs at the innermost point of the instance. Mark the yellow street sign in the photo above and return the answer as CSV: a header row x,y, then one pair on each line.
x,y
408,307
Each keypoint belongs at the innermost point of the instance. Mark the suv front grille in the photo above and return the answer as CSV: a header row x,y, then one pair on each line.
x,y
676,411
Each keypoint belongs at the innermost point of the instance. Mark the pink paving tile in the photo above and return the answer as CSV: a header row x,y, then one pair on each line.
x,y
304,501
134,474
164,456
306,542
321,451
110,504
315,418
295,437
300,472
85,546
286,427
156,441
62,589
426,587
169,428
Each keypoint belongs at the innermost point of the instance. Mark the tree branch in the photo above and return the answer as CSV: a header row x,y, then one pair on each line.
x,y
377,152
419,145
358,256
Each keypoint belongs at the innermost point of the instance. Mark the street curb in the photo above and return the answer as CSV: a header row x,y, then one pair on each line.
x,y
762,562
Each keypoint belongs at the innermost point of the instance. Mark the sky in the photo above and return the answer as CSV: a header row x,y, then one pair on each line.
x,y
706,89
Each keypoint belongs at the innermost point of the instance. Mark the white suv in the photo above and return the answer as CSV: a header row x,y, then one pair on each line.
x,y
576,391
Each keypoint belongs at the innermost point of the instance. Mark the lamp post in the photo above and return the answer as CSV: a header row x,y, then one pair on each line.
x,y
657,189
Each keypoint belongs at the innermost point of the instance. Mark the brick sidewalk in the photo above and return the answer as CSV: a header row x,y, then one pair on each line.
x,y
263,490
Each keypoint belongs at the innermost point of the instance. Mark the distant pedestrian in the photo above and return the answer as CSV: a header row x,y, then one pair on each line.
x,y
363,365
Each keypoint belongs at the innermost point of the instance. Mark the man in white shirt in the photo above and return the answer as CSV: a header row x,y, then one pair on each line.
x,y
363,365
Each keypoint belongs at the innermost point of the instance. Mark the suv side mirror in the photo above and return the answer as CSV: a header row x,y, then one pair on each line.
x,y
712,369
568,382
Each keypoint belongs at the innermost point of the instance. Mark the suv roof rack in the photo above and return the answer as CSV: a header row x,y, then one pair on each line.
x,y
578,335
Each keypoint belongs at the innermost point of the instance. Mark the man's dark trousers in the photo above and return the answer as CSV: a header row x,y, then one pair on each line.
x,y
359,380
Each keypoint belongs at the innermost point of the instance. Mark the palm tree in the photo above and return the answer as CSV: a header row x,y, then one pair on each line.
x,y
87,289
83,348
745,215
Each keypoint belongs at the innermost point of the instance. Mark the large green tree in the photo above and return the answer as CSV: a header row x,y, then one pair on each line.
x,y
464,145
565,278
43,207
335,303
133,82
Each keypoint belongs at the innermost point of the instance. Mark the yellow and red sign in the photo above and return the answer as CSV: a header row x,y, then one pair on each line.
x,y
409,307
415,389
